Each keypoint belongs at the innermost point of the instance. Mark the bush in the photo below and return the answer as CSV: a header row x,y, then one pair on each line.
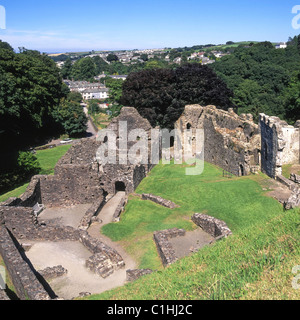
x,y
27,166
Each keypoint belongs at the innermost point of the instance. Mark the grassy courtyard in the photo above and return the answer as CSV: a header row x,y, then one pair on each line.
x,y
263,245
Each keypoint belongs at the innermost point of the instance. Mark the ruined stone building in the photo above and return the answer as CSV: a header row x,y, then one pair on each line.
x,y
230,141
279,144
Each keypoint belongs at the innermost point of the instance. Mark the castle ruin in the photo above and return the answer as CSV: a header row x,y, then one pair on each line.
x,y
234,143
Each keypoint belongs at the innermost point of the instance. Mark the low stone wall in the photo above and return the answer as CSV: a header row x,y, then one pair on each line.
x,y
164,248
53,272
119,209
294,199
105,259
24,225
31,196
215,227
24,280
295,178
287,182
134,274
159,200
91,213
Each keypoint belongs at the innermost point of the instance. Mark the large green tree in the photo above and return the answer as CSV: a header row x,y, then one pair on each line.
x,y
262,77
84,69
160,94
30,87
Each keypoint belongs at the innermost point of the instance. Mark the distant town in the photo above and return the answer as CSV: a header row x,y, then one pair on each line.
x,y
139,59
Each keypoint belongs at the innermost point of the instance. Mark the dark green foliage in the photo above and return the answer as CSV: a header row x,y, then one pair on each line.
x,y
100,65
66,71
71,117
115,89
26,165
263,78
112,57
114,110
160,94
5,45
28,162
93,107
30,87
75,97
84,69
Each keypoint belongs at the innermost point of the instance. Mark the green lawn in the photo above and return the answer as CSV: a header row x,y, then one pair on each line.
x,y
254,263
240,202
47,159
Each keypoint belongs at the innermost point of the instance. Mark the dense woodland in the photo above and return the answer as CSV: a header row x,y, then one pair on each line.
x,y
34,105
264,79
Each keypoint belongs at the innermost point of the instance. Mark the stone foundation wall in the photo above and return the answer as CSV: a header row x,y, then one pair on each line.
x,y
119,210
164,247
24,279
91,213
105,259
53,272
132,275
22,223
159,200
215,227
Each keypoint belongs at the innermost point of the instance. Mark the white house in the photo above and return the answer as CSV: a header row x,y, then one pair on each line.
x,y
99,93
281,45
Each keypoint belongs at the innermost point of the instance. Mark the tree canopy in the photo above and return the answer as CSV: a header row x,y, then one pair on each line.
x,y
263,79
160,94
35,105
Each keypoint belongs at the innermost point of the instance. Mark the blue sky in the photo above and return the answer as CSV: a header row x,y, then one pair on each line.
x,y
73,25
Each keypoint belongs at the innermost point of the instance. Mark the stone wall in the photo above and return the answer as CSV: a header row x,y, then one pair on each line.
x,y
159,200
132,275
105,260
119,209
164,247
71,185
24,279
215,227
22,223
279,144
91,213
230,141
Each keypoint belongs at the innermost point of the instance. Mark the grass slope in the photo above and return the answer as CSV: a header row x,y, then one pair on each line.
x,y
240,202
255,263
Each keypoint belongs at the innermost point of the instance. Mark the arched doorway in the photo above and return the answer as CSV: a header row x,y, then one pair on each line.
x,y
120,186
242,172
